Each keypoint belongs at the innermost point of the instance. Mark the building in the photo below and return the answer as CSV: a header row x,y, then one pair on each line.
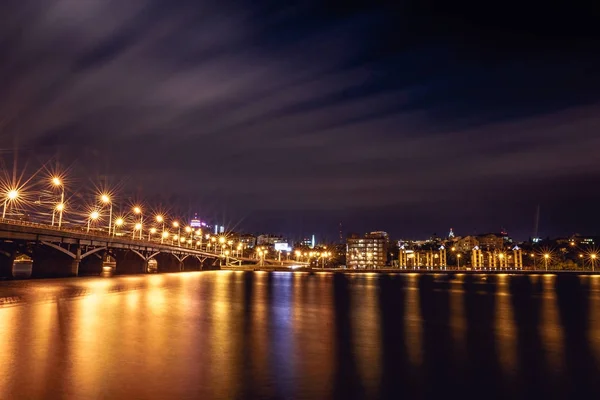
x,y
269,240
368,251
490,241
309,242
248,240
466,243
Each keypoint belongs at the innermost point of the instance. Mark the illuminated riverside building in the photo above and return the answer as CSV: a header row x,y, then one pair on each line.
x,y
367,252
497,259
428,259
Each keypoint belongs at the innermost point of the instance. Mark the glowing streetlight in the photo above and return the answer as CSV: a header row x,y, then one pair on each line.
x,y
11,196
105,198
164,235
94,215
136,227
593,257
118,223
151,232
137,210
458,256
57,182
546,257
176,225
161,220
324,255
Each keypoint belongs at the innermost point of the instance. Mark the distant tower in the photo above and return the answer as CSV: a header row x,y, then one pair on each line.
x,y
450,234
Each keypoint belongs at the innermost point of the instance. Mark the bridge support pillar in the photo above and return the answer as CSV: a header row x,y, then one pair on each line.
x,y
75,262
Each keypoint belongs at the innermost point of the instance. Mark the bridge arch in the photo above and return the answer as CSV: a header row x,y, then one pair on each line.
x,y
191,262
168,262
59,248
93,251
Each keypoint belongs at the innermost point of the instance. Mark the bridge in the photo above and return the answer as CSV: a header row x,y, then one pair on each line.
x,y
62,252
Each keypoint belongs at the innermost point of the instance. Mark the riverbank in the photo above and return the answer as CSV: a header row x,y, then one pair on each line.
x,y
412,271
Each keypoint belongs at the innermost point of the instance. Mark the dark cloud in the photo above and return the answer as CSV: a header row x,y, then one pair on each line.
x,y
373,113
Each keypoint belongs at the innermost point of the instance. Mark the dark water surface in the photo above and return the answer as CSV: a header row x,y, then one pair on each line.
x,y
247,335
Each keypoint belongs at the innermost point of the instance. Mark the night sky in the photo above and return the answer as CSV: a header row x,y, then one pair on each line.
x,y
292,116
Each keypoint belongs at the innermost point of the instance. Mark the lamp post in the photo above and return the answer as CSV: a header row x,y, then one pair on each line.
x,y
161,220
136,227
214,243
57,182
151,232
59,207
163,236
176,225
458,256
199,233
546,257
106,200
11,196
94,215
137,210
190,232
118,223
222,243
593,258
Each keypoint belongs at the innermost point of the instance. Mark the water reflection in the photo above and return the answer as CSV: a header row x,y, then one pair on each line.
x,y
301,335
506,334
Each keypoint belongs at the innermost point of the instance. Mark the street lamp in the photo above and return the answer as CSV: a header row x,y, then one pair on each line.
x,y
94,215
137,210
593,258
106,200
176,225
163,236
56,181
136,227
546,257
458,256
222,243
151,232
161,220
118,223
11,196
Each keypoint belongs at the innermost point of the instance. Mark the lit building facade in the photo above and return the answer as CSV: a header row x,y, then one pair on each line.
x,y
367,252
248,240
269,240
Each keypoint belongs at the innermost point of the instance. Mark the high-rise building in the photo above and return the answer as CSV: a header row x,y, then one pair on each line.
x,y
367,252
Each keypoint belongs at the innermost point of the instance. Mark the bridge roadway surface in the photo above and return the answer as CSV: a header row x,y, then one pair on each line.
x,y
77,244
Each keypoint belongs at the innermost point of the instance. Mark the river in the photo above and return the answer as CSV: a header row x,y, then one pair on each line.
x,y
282,335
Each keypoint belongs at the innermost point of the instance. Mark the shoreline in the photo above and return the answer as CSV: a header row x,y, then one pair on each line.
x,y
413,271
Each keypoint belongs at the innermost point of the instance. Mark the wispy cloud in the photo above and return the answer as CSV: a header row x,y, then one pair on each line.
x,y
201,97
